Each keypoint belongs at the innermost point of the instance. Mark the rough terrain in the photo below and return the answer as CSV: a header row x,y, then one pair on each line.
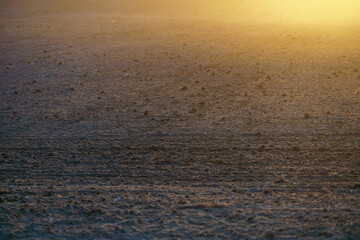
x,y
131,126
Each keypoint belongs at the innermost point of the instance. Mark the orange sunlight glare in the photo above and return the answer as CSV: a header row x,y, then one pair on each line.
x,y
291,11
319,11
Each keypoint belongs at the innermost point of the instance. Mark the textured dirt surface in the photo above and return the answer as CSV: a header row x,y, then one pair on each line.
x,y
130,127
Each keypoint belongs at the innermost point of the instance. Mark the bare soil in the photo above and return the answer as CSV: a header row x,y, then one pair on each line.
x,y
150,127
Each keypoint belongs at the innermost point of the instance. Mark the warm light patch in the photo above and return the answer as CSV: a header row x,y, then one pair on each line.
x,y
287,11
318,11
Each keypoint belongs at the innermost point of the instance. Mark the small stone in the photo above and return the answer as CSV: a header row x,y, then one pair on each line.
x,y
146,113
268,77
185,88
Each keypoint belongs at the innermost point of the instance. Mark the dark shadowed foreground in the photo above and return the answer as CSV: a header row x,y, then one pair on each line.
x,y
139,127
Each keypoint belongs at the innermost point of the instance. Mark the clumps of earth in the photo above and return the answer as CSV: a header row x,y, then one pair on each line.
x,y
131,126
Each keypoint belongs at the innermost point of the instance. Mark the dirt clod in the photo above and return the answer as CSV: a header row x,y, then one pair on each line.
x,y
307,116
